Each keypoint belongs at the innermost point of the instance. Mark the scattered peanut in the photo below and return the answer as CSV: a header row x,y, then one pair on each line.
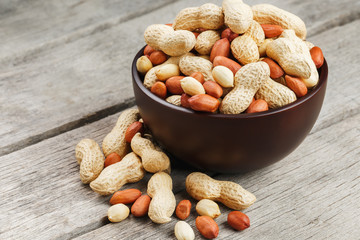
x,y
141,206
112,178
206,207
125,196
153,160
115,140
134,128
238,220
207,227
183,209
90,159
200,186
118,212
183,231
163,202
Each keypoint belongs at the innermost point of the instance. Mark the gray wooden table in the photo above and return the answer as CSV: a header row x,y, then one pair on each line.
x,y
65,75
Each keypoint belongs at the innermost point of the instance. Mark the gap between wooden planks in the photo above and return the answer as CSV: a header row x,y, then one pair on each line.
x,y
85,75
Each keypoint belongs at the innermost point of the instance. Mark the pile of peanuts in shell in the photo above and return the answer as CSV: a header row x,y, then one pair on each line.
x,y
231,59
227,59
128,152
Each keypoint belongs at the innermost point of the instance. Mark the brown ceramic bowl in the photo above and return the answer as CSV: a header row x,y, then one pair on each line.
x,y
229,143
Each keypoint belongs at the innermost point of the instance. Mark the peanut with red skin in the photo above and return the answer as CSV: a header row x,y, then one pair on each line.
x,y
220,48
141,206
111,159
157,57
238,220
134,128
159,89
296,85
183,209
213,89
204,103
173,85
207,227
257,106
125,196
317,56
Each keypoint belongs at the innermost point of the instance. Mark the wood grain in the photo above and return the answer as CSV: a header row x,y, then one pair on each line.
x,y
312,194
85,75
27,25
42,195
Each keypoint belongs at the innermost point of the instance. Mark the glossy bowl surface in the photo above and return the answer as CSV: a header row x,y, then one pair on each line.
x,y
229,143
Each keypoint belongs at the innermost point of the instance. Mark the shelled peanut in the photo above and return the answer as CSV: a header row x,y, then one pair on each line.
x,y
231,36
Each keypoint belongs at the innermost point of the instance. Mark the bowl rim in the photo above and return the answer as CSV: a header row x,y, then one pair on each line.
x,y
138,81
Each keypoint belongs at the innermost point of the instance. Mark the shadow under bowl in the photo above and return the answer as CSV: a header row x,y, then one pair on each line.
x,y
229,143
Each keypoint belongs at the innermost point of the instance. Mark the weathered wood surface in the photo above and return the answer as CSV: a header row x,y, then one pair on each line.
x,y
305,196
90,63
313,193
26,25
42,195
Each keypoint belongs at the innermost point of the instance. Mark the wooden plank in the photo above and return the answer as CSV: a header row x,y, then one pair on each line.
x,y
312,194
41,192
28,24
85,76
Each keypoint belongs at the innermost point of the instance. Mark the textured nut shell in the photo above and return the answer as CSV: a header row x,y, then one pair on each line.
x,y
294,57
269,14
200,186
263,46
256,32
163,202
208,16
115,140
150,77
178,42
207,207
205,41
189,64
174,99
112,178
245,50
275,94
153,160
90,159
118,212
183,231
247,82
173,43
238,15
192,86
